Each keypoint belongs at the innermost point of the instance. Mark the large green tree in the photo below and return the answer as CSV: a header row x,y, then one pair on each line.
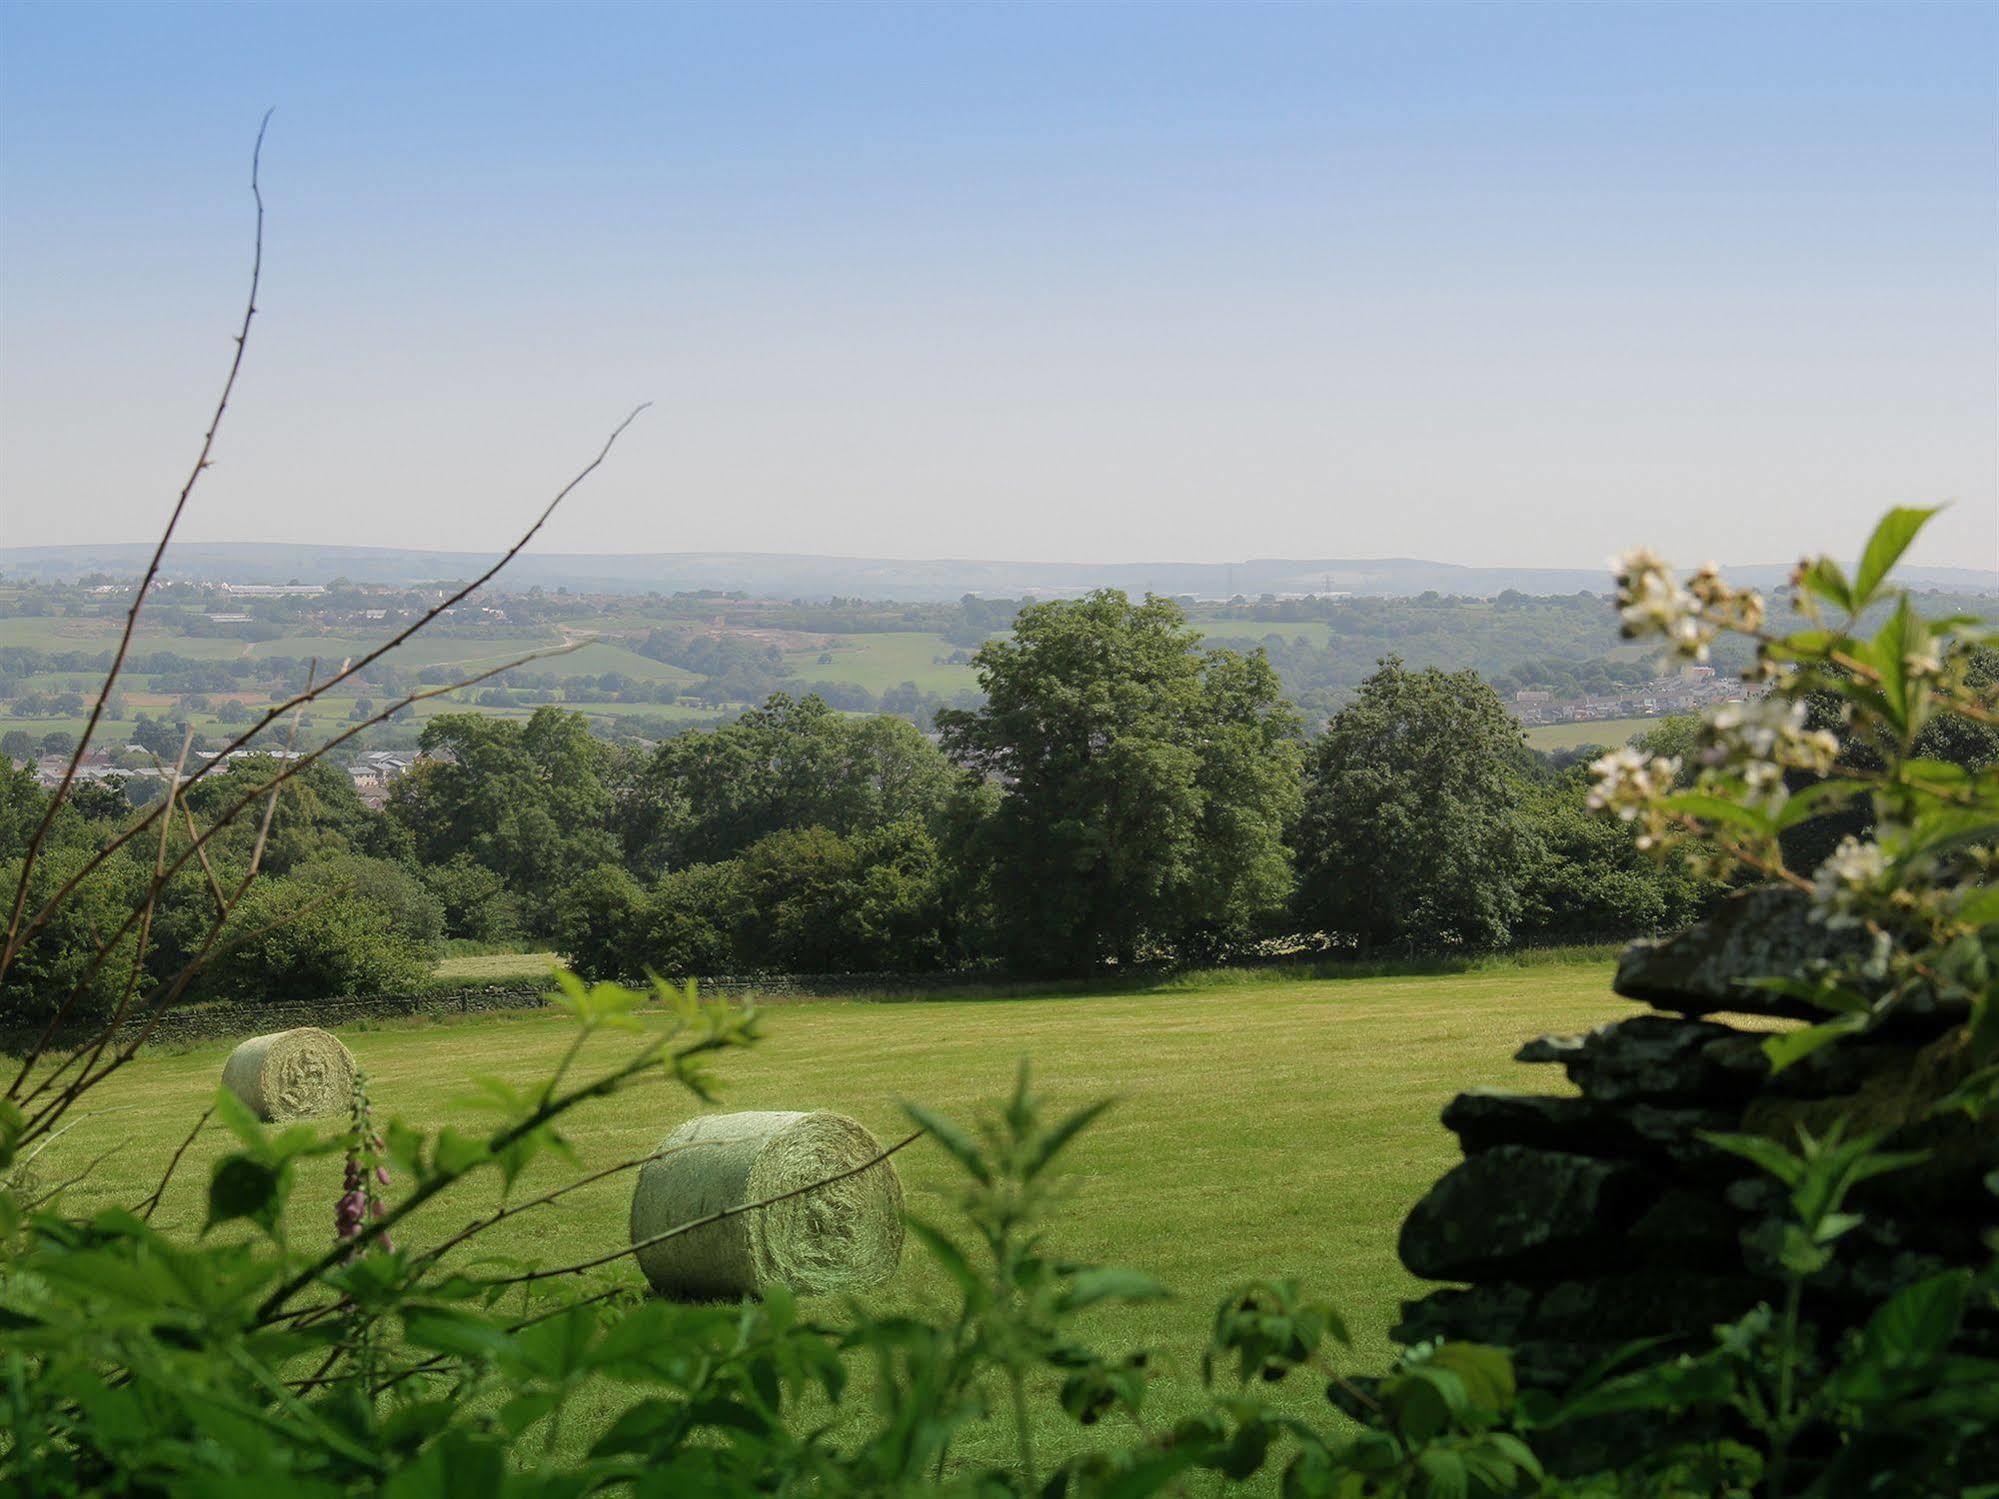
x,y
791,763
1411,833
527,801
1144,784
1585,878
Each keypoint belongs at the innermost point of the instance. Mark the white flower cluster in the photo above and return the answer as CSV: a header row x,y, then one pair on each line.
x,y
1925,661
1630,786
1739,608
1762,738
1651,601
1842,885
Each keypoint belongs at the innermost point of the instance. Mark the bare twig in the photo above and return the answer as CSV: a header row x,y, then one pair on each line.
x,y
19,934
63,1186
546,1110
157,1006
214,884
500,1215
717,1216
201,463
145,1209
439,1359
228,816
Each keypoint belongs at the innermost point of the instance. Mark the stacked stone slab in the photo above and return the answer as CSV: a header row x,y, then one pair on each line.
x,y
1578,1225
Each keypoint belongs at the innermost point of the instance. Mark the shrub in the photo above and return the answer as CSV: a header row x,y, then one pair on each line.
x,y
414,912
595,920
476,903
300,939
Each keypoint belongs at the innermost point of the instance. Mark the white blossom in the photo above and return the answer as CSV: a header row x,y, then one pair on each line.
x,y
1651,601
1627,783
1845,879
1770,732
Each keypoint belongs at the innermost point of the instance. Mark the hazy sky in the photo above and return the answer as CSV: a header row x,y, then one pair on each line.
x,y
1484,284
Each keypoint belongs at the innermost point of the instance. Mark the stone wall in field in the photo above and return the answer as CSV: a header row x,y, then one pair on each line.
x,y
252,1017
1579,1224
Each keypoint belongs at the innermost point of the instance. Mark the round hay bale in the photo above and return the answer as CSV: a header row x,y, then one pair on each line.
x,y
845,1236
296,1074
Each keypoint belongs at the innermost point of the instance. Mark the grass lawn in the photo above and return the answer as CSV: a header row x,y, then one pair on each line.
x,y
1264,1126
495,968
1610,732
884,660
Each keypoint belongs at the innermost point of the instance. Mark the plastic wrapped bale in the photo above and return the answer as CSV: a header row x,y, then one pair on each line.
x,y
844,1236
296,1074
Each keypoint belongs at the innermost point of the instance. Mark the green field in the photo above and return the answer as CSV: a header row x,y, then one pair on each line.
x,y
1270,1125
881,661
1610,732
495,968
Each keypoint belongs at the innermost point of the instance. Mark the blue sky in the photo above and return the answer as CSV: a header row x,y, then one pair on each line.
x,y
1488,284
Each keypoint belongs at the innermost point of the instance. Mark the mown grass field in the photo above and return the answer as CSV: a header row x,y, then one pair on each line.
x,y
1610,732
884,660
1264,1126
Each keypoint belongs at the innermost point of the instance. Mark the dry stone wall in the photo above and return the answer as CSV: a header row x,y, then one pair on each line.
x,y
1576,1225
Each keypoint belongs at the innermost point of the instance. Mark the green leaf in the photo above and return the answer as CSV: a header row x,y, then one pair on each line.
x,y
1444,1473
405,1146
1768,1154
448,1330
1717,809
1110,1283
1812,801
1891,538
1980,906
1487,1373
1887,652
243,1187
1784,1048
950,1258
1918,1324
236,1117
1053,1142
1824,578
455,1153
952,1136
1424,1401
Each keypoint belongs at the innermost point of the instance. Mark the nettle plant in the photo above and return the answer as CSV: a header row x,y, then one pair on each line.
x,y
1839,721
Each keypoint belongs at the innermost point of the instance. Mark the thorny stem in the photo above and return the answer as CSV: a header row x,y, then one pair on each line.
x,y
15,936
225,819
542,1114
146,1208
719,1215
1787,1352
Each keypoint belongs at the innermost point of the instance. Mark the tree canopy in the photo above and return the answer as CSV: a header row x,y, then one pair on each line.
x,y
1141,783
1411,832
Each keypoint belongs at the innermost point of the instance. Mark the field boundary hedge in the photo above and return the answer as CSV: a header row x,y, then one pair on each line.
x,y
223,1019
220,1020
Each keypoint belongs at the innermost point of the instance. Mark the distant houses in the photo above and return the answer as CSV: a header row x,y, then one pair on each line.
x,y
372,773
1691,691
375,771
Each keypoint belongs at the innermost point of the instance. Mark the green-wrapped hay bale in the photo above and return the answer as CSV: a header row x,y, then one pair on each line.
x,y
296,1074
844,1236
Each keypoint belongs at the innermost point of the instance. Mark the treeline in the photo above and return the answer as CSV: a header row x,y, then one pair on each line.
x,y
1125,792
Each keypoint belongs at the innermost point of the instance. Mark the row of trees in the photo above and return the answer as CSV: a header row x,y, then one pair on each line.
x,y
1124,793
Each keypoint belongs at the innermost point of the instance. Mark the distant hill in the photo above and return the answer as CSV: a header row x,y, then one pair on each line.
x,y
780,575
